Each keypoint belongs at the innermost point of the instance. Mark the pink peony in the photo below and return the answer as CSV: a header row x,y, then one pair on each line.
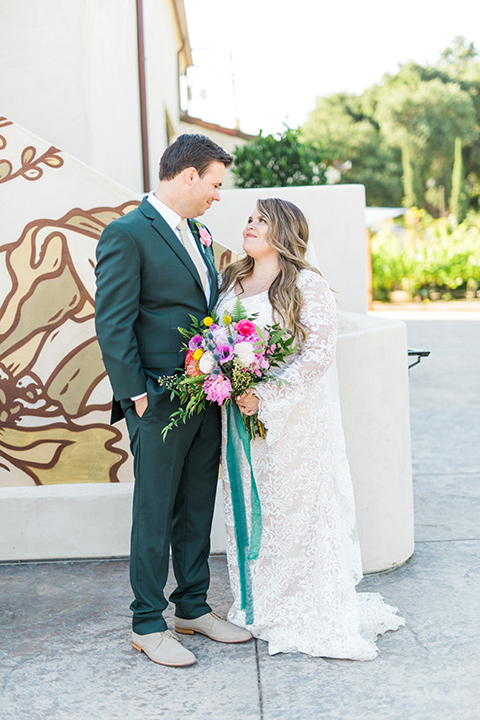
x,y
217,388
262,362
246,328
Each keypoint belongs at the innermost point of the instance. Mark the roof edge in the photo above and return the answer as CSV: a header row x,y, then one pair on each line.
x,y
233,132
181,17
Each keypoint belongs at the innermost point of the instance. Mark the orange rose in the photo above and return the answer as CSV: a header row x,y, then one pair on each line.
x,y
191,364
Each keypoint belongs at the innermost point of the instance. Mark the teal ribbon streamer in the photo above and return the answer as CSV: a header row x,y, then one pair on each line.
x,y
238,439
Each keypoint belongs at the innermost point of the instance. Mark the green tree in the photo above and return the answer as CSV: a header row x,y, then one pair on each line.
x,y
459,198
411,185
460,64
284,160
400,135
430,115
346,125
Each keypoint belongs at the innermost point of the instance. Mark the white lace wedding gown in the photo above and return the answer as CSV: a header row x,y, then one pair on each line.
x,y
303,582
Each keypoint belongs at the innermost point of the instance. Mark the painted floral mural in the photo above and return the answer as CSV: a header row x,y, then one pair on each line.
x,y
54,393
52,379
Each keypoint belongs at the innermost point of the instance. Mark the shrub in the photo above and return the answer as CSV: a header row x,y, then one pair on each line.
x,y
426,255
284,160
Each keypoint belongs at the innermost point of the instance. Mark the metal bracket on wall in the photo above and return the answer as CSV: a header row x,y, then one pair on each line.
x,y
418,354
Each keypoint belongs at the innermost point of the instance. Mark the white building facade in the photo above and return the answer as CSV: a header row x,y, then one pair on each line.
x,y
100,80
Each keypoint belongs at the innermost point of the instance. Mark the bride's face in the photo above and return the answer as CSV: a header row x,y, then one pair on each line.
x,y
255,238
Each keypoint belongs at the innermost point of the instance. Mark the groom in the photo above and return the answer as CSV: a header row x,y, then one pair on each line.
x,y
154,270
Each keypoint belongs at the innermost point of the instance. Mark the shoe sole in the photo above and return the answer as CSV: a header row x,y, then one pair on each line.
x,y
189,631
167,664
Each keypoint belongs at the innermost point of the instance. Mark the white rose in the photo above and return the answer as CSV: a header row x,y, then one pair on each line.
x,y
206,363
245,354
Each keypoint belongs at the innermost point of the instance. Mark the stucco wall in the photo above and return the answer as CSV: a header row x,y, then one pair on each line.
x,y
69,73
336,216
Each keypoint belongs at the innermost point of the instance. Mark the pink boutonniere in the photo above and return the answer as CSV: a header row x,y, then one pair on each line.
x,y
205,237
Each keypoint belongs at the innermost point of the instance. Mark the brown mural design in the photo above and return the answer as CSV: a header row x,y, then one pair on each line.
x,y
223,256
4,122
29,162
54,395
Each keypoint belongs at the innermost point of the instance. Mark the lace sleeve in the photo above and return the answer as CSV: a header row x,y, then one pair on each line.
x,y
319,314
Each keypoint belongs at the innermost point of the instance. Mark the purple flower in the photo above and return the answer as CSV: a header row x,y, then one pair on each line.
x,y
224,353
196,342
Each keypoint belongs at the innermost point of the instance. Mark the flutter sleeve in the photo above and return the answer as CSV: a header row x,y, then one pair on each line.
x,y
279,396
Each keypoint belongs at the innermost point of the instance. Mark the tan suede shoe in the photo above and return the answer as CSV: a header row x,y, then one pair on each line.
x,y
163,648
213,627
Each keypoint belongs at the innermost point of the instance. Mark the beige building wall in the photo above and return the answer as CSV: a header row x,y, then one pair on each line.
x,y
69,73
162,45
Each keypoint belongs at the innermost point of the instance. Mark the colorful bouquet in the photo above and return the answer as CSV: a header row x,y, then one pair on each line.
x,y
224,359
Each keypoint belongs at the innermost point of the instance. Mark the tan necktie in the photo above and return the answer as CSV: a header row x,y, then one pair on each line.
x,y
192,251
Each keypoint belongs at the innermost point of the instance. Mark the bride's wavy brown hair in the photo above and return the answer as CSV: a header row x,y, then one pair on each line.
x,y
288,234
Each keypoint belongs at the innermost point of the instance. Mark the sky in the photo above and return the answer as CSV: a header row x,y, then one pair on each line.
x,y
264,62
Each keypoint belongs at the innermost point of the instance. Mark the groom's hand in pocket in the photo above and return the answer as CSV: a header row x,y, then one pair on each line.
x,y
141,405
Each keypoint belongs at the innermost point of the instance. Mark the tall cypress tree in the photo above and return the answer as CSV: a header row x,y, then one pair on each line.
x,y
459,197
412,195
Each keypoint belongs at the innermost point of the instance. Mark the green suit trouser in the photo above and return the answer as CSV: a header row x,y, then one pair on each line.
x,y
173,502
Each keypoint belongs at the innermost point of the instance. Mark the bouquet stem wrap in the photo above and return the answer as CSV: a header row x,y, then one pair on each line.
x,y
238,441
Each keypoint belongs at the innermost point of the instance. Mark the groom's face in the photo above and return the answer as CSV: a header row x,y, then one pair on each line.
x,y
204,190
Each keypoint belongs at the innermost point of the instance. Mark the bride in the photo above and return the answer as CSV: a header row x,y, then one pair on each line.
x,y
301,591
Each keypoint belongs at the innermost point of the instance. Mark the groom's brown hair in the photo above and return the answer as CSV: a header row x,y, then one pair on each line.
x,y
196,151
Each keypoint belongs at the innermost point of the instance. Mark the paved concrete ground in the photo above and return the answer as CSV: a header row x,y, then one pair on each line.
x,y
65,652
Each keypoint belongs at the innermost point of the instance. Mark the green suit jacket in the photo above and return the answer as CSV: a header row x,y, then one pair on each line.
x,y
147,286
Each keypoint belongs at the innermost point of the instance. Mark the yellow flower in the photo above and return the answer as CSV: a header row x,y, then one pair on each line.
x,y
227,320
197,354
208,321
